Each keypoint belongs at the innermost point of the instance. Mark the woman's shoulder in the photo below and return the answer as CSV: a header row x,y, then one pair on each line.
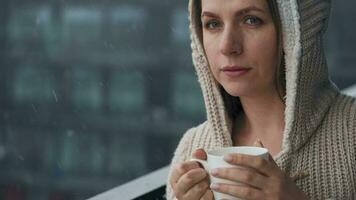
x,y
192,134
344,106
197,130
192,140
342,115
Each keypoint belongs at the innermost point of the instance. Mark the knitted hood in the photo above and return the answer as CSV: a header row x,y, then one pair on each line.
x,y
309,92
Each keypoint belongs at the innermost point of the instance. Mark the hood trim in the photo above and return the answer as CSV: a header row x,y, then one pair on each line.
x,y
309,92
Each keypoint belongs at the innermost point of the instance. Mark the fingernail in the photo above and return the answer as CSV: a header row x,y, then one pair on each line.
x,y
228,158
214,186
214,172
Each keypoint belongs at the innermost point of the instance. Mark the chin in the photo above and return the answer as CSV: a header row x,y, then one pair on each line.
x,y
235,91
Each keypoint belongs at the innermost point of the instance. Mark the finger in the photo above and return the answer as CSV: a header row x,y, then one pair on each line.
x,y
259,143
208,195
256,162
271,160
181,169
241,175
198,190
200,154
189,179
240,191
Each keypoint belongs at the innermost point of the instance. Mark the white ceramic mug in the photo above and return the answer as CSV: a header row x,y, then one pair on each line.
x,y
216,160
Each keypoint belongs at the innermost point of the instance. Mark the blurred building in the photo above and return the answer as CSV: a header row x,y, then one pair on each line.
x,y
93,94
341,43
96,93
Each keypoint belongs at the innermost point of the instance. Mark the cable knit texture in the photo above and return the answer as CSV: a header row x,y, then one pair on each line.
x,y
319,141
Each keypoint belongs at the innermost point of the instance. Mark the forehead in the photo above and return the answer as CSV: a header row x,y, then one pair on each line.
x,y
232,5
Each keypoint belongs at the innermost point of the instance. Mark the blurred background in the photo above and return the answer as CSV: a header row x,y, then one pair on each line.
x,y
94,94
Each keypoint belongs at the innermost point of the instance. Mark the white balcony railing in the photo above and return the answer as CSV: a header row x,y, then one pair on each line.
x,y
350,91
150,186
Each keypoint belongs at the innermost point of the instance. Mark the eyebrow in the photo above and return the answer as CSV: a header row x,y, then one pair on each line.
x,y
238,13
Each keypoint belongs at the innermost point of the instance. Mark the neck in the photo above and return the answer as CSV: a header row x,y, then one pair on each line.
x,y
263,118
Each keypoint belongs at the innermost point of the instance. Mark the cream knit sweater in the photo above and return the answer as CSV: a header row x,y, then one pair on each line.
x,y
319,139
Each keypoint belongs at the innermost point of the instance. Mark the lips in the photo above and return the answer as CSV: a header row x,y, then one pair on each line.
x,y
235,71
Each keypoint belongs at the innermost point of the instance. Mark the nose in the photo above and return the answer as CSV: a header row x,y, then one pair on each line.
x,y
231,42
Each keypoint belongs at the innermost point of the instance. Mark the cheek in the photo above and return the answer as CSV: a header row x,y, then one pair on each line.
x,y
265,50
212,53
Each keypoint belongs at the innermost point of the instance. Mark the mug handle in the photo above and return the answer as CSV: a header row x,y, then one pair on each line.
x,y
202,162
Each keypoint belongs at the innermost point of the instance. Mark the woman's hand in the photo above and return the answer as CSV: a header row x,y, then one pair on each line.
x,y
191,182
262,179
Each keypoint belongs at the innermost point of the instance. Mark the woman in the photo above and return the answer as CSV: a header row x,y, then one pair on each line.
x,y
264,78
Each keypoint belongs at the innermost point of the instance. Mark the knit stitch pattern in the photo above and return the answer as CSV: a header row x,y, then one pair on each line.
x,y
319,140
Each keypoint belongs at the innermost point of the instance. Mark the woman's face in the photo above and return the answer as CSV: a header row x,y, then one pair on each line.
x,y
240,41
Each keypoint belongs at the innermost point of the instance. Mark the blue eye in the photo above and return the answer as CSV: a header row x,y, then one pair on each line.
x,y
212,24
254,21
